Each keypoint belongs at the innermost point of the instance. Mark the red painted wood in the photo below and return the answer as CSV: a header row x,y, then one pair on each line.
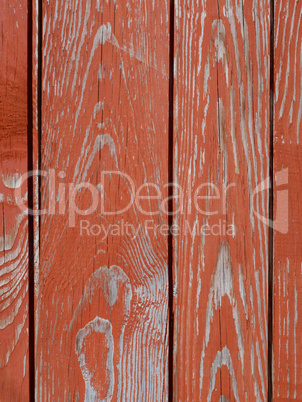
x,y
222,138
14,375
287,202
102,301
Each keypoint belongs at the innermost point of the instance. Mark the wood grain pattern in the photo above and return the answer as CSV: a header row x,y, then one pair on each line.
x,y
102,301
101,285
221,137
14,373
287,202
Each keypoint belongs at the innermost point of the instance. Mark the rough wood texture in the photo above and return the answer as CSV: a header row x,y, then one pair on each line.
x,y
102,313
288,191
14,374
222,137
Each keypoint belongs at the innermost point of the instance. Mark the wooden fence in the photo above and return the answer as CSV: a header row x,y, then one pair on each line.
x,y
166,260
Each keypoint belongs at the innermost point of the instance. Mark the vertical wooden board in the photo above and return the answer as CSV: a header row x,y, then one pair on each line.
x,y
221,116
14,373
102,301
287,342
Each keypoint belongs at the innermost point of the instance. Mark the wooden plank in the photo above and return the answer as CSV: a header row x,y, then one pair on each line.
x,y
14,373
102,301
14,358
287,342
221,138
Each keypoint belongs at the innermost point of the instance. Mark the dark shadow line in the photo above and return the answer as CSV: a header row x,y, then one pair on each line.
x,y
271,211
170,204
39,106
30,192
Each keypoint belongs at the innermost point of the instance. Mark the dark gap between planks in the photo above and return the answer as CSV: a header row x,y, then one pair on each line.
x,y
271,212
30,192
170,204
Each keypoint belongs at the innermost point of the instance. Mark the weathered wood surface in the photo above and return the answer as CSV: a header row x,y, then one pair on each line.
x,y
287,320
221,136
14,373
102,301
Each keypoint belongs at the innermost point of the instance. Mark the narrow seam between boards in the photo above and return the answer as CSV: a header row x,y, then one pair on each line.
x,y
30,159
271,211
170,205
